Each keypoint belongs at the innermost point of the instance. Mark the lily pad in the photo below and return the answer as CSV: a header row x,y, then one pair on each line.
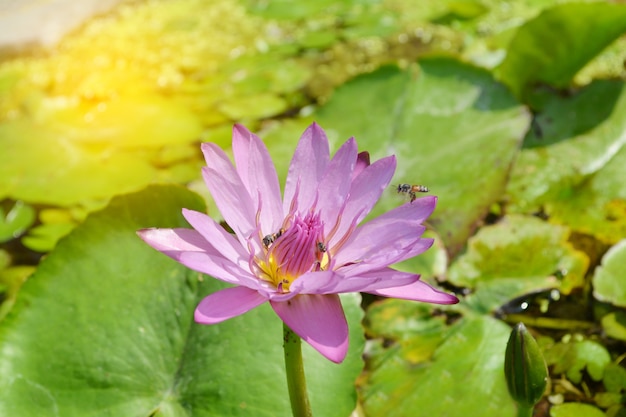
x,y
44,237
608,65
254,107
105,327
575,409
317,40
421,369
19,218
35,157
270,72
574,357
614,378
614,325
555,45
11,280
451,126
287,10
516,256
572,168
609,284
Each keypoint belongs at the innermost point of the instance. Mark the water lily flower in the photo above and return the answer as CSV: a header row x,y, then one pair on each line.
x,y
300,251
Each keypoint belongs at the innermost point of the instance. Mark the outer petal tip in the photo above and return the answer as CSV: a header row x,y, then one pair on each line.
x,y
226,304
418,291
317,131
334,354
142,232
319,320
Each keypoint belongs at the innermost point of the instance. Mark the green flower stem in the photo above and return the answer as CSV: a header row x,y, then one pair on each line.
x,y
296,382
524,410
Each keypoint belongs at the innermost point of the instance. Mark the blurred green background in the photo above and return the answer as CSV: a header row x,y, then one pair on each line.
x,y
511,112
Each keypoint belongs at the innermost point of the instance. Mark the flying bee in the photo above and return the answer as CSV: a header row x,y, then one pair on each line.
x,y
408,188
411,190
271,238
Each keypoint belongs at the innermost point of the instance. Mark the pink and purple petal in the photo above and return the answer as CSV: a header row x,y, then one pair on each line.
x,y
389,233
378,259
380,241
257,172
307,168
227,189
319,320
223,242
362,162
227,303
417,211
189,247
215,265
365,191
418,291
175,240
334,188
330,282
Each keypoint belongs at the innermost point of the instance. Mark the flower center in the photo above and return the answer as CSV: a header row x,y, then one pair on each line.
x,y
293,251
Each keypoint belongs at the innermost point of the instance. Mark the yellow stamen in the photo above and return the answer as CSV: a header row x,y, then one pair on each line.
x,y
270,271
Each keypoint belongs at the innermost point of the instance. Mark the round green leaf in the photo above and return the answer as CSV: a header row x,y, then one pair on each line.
x,y
609,283
573,165
451,126
45,236
575,409
419,374
287,10
571,358
105,328
34,156
516,256
614,325
555,45
317,40
253,107
614,378
11,280
156,121
19,218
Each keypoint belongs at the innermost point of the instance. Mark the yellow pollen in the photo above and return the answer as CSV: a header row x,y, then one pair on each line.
x,y
270,271
323,260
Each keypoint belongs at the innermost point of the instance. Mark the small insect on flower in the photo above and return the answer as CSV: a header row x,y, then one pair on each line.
x,y
321,247
271,238
411,190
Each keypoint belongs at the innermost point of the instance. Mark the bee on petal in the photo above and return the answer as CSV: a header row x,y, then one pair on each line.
x,y
271,238
321,247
